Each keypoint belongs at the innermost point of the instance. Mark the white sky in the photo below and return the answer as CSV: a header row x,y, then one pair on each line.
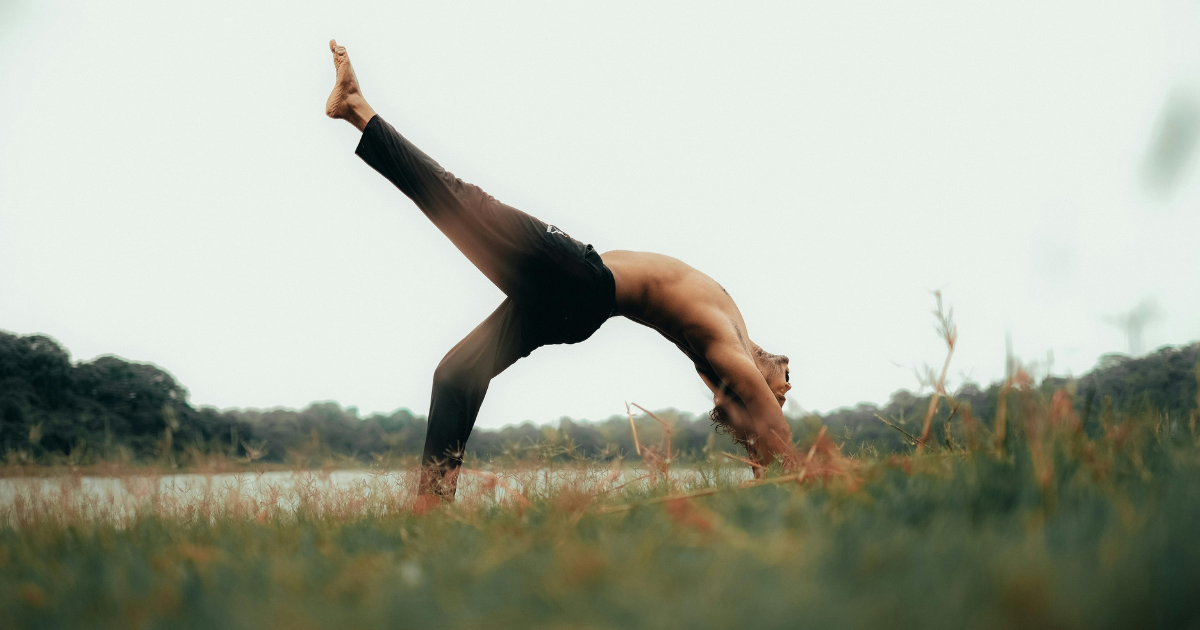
x,y
171,192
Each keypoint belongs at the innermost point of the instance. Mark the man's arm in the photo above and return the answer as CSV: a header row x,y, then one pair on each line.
x,y
765,423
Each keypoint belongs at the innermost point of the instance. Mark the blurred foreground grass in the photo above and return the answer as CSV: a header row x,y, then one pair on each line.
x,y
1052,522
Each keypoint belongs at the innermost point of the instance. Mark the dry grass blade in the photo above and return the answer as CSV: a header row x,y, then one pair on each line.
x,y
632,481
813,449
637,446
700,493
743,460
499,482
794,477
949,333
666,427
906,433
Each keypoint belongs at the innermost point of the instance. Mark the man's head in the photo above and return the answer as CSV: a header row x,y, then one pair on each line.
x,y
774,368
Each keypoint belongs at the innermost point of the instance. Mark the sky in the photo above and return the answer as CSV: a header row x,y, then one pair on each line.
x,y
171,191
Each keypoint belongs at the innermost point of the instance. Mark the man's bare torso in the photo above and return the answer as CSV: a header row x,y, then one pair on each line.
x,y
683,304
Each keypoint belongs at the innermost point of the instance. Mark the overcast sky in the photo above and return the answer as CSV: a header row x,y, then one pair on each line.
x,y
171,191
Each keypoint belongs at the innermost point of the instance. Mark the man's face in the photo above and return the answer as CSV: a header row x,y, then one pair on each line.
x,y
778,377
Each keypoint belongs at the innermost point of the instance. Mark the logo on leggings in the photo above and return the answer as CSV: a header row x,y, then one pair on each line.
x,y
550,229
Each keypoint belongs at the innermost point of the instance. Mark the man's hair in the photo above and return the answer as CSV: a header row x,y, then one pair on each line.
x,y
721,425
776,361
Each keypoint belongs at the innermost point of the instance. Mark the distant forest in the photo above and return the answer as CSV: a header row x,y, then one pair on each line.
x,y
109,407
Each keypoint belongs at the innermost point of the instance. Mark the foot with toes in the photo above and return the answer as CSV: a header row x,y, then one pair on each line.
x,y
346,101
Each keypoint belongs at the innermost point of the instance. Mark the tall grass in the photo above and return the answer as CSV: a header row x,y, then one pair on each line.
x,y
1056,522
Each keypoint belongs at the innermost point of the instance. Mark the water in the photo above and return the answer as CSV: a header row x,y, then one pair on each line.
x,y
359,491
126,495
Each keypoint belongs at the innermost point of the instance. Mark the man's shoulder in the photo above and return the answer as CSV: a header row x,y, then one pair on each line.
x,y
709,326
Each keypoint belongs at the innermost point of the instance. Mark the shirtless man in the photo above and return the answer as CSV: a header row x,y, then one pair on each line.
x,y
560,291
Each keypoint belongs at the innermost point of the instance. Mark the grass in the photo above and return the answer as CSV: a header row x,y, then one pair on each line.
x,y
1060,523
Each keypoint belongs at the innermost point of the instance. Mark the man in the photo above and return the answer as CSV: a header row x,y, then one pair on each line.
x,y
560,291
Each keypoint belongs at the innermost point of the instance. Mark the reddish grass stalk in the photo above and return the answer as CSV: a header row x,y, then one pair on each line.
x,y
743,460
645,476
969,427
796,477
908,435
496,480
665,426
637,446
949,333
813,449
656,463
1002,415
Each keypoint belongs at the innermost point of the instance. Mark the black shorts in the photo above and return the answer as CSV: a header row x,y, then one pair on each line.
x,y
570,291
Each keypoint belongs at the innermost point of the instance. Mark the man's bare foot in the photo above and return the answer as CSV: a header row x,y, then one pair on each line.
x,y
425,503
346,101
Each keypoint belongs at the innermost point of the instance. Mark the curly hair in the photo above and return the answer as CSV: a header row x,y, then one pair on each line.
x,y
722,426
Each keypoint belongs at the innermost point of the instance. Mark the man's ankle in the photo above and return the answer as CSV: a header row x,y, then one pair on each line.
x,y
360,115
425,502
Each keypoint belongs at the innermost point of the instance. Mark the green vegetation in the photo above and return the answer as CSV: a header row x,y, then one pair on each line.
x,y
1064,504
109,409
1052,527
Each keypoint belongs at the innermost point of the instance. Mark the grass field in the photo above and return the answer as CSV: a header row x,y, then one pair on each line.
x,y
1050,522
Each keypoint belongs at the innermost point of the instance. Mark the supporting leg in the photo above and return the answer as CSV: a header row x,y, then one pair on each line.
x,y
459,385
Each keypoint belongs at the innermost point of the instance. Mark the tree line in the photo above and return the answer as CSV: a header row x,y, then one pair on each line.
x,y
51,406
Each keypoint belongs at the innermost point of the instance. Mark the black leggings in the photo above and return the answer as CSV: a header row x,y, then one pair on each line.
x,y
558,289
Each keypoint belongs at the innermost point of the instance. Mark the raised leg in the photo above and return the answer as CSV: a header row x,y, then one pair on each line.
x,y
502,242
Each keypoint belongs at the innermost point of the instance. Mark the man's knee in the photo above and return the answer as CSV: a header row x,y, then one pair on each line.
x,y
458,374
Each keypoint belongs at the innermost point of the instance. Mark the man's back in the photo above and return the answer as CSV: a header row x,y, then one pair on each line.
x,y
682,303
696,314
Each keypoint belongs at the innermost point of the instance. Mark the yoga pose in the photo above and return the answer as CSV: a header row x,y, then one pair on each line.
x,y
560,290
